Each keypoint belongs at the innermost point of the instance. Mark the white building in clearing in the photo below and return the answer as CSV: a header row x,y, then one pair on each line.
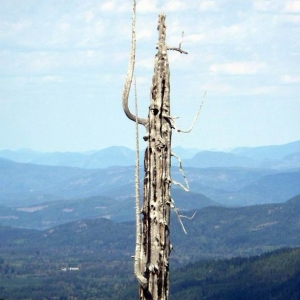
x,y
69,269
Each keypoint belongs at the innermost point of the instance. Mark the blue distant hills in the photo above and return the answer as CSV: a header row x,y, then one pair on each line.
x,y
62,210
276,157
53,188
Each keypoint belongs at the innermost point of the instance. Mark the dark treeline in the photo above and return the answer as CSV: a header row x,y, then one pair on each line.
x,y
275,275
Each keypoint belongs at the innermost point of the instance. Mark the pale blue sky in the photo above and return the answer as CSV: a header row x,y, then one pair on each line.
x,y
63,67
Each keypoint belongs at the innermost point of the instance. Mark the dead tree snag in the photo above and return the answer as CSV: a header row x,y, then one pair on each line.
x,y
151,259
157,181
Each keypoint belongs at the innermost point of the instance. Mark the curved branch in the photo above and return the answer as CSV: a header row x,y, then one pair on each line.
x,y
196,117
130,74
185,188
178,48
137,256
181,216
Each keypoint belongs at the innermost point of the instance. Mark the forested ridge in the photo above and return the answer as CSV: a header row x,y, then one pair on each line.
x,y
35,264
274,275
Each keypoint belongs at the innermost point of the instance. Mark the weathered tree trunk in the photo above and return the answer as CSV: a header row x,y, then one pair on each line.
x,y
153,240
157,202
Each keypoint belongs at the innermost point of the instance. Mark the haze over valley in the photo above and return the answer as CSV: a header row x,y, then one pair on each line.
x,y
76,211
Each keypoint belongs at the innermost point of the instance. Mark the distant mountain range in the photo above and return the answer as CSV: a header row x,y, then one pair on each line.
x,y
41,196
23,185
213,232
268,152
112,156
29,184
52,213
277,157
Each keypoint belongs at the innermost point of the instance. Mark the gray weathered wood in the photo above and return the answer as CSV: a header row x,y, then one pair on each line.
x,y
157,182
152,252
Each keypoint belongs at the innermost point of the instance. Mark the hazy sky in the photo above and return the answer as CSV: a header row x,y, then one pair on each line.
x,y
63,67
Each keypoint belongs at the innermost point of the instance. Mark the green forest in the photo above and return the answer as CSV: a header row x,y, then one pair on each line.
x,y
274,275
91,259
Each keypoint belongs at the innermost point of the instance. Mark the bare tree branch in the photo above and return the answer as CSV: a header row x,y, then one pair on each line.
x,y
190,218
137,256
182,34
178,215
178,48
195,119
181,216
186,188
130,71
